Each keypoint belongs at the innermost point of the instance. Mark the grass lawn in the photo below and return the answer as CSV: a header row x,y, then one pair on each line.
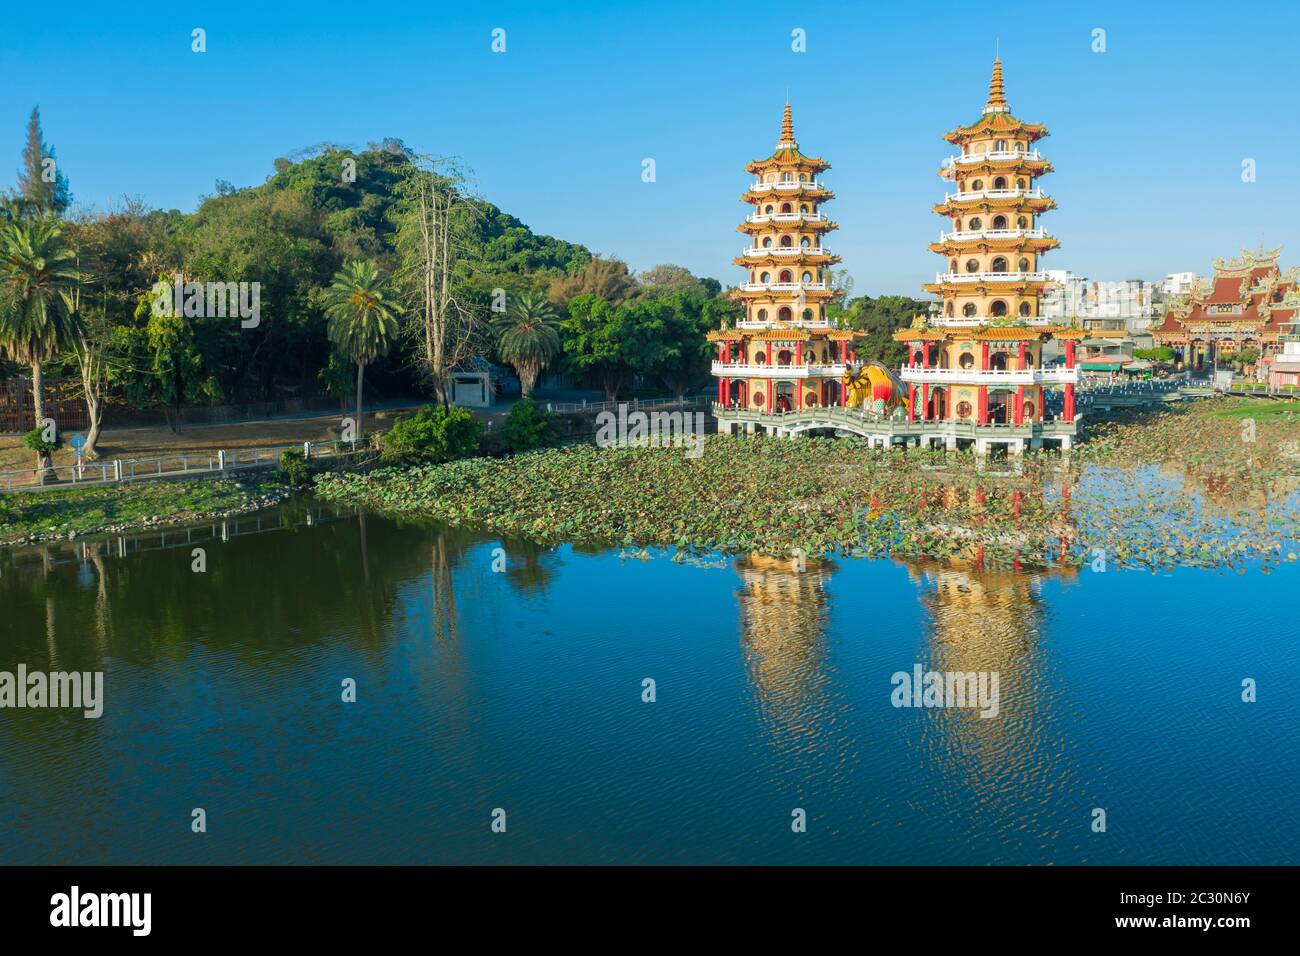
x,y
88,510
1265,410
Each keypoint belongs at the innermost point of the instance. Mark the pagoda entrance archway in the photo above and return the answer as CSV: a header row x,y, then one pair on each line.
x,y
938,410
739,393
784,396
999,407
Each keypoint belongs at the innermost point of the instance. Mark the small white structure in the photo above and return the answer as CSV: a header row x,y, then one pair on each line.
x,y
473,384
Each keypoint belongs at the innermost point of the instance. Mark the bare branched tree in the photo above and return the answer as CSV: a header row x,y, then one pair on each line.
x,y
435,222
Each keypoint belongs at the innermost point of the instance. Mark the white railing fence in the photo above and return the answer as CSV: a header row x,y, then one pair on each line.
x,y
198,464
634,404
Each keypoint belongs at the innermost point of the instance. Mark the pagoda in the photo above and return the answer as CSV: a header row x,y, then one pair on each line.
x,y
1250,304
975,369
783,356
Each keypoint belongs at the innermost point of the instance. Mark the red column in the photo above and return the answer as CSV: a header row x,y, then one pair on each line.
x,y
984,356
1069,353
982,405
853,355
1022,355
798,353
925,402
771,391
925,355
722,351
798,395
769,353
1068,411
1019,411
911,404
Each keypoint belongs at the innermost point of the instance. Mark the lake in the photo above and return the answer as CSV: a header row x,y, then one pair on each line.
x,y
520,688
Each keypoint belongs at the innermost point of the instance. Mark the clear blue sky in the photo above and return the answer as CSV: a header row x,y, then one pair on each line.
x,y
1148,138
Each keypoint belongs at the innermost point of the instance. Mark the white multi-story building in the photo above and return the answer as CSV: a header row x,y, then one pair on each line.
x,y
1127,305
1178,283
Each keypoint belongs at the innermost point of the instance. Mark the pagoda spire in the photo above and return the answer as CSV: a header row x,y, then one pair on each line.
x,y
997,98
787,129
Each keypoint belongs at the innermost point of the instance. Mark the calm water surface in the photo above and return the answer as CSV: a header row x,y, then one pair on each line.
x,y
522,690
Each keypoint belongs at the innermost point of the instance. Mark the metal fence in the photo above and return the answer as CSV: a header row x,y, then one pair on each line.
x,y
635,404
1262,388
219,463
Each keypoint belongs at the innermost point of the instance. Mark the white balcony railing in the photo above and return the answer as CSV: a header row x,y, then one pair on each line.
x,y
972,195
976,321
739,370
786,251
1027,376
960,277
786,187
967,159
786,217
801,324
783,286
971,236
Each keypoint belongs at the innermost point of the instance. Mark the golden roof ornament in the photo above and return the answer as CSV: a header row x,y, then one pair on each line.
x,y
1248,261
997,97
787,131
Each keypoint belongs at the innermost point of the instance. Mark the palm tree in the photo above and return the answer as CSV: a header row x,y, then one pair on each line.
x,y
362,320
528,337
38,280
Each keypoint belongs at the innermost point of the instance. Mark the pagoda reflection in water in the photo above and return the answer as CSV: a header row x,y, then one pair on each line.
x,y
977,619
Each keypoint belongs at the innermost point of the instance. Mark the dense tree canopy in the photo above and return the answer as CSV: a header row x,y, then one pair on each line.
x,y
878,319
454,266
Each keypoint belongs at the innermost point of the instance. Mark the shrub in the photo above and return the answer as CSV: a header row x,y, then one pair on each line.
x,y
436,433
294,468
35,440
528,426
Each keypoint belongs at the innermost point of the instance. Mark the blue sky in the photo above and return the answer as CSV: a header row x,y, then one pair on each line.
x,y
1148,138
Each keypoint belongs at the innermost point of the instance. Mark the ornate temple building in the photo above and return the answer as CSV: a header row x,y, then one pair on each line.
x,y
976,368
783,356
976,373
1249,305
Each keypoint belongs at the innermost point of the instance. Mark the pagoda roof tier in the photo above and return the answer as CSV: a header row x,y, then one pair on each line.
x,y
919,335
1016,200
792,333
787,154
987,333
996,119
785,222
1008,167
817,259
785,292
811,191
1012,283
1037,245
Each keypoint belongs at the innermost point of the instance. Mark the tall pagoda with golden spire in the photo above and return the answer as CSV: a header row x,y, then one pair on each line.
x,y
783,356
975,366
